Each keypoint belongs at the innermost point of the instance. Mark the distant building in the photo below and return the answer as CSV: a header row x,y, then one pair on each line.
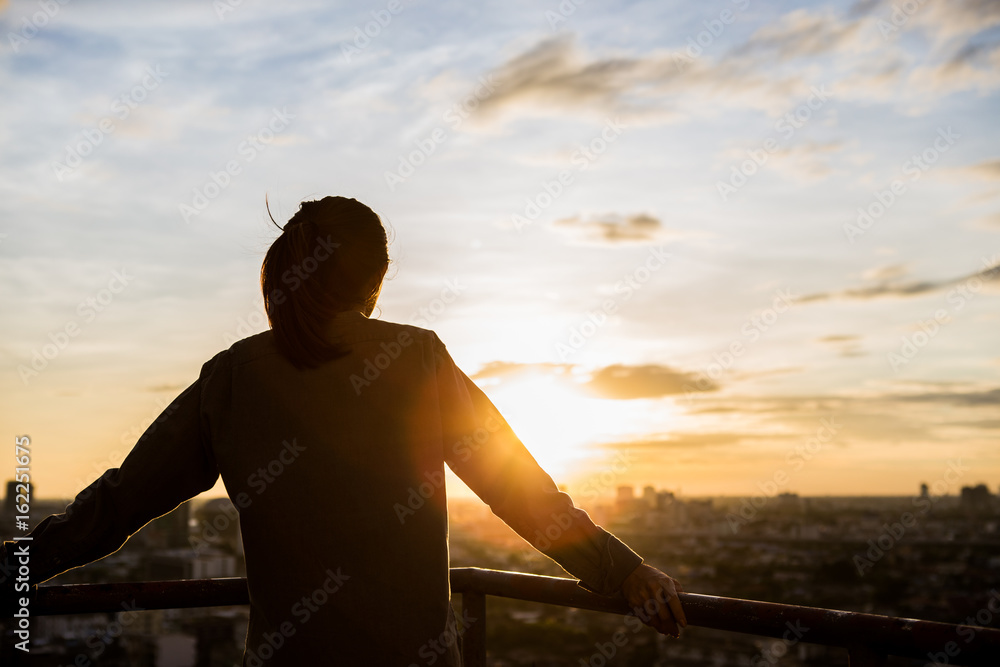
x,y
664,500
169,531
8,501
976,498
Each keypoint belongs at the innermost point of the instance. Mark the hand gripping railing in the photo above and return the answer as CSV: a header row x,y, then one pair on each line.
x,y
868,638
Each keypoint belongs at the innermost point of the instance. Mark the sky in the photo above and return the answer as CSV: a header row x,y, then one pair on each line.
x,y
723,248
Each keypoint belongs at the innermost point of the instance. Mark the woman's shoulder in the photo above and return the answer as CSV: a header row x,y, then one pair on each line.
x,y
346,329
386,330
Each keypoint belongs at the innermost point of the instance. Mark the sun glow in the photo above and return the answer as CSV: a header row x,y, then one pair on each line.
x,y
562,426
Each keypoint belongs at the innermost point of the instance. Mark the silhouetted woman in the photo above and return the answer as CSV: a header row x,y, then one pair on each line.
x,y
325,429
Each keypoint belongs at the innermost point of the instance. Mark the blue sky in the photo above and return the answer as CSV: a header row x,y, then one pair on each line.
x,y
688,232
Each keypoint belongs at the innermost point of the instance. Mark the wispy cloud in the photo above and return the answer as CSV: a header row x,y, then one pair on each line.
x,y
614,229
686,441
889,284
802,33
969,398
648,381
617,381
988,170
510,369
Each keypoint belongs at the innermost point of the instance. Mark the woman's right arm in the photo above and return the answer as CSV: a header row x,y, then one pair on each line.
x,y
485,453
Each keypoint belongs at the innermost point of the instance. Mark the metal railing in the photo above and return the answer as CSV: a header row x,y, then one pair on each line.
x,y
868,638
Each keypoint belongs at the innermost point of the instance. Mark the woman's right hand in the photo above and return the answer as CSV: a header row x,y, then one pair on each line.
x,y
655,594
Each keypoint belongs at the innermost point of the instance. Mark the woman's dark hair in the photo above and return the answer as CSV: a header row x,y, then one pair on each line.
x,y
330,257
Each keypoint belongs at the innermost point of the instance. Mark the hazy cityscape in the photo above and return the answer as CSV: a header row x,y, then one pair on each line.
x,y
926,556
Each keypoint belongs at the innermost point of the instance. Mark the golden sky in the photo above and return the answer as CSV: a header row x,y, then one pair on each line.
x,y
680,244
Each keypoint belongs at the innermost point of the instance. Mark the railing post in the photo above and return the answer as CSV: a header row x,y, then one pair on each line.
x,y
860,655
474,639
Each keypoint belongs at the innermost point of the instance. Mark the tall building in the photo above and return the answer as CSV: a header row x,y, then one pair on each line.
x,y
626,494
8,501
976,497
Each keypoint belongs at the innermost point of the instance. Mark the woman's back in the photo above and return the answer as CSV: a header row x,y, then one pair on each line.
x,y
320,464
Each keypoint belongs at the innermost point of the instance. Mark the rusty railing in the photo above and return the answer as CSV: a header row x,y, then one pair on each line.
x,y
868,638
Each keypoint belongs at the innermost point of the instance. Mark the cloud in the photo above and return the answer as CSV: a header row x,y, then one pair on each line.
x,y
886,272
770,70
802,34
889,286
680,441
556,76
990,222
613,229
501,370
838,338
649,381
972,66
617,381
845,345
946,21
899,415
970,399
555,72
889,404
988,170
167,387
809,161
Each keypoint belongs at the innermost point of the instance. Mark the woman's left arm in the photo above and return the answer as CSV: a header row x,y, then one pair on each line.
x,y
171,463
